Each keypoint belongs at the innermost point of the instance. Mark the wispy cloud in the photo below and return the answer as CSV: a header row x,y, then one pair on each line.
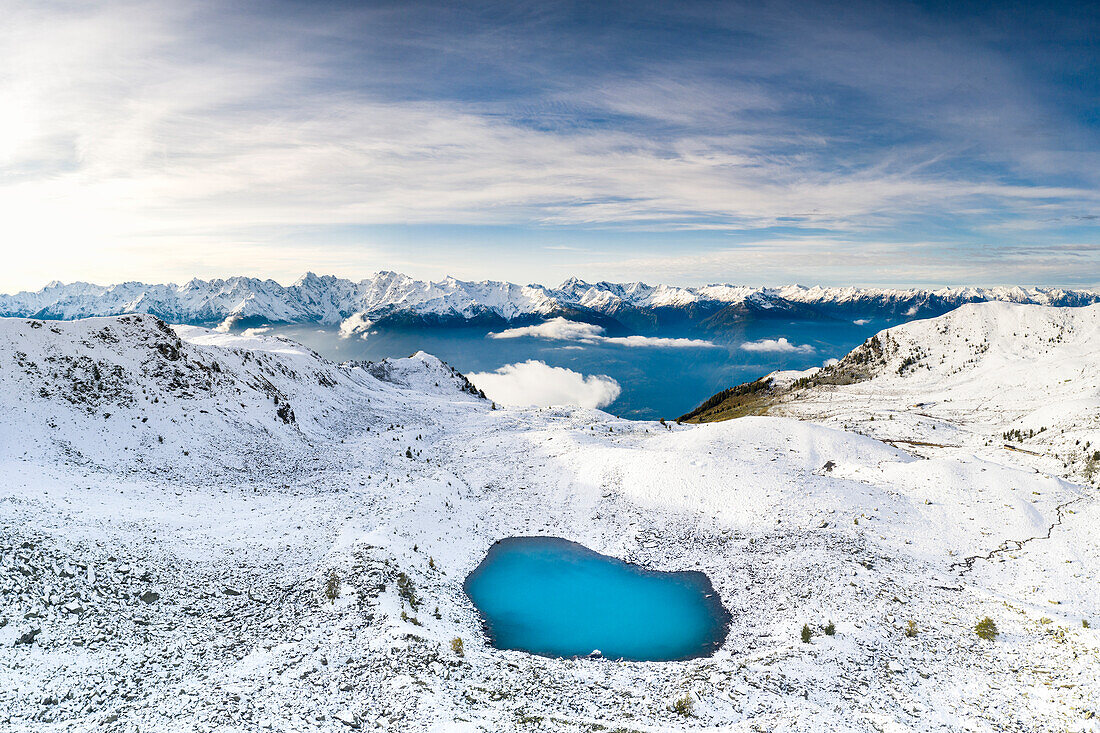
x,y
149,128
851,261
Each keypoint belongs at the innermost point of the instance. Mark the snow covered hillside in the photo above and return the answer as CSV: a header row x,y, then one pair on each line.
x,y
390,297
133,394
290,557
1023,378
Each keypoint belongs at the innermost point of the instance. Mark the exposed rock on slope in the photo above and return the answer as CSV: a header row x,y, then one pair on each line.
x,y
180,399
422,372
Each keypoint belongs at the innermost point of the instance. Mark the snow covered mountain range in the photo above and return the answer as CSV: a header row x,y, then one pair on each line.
x,y
396,299
208,531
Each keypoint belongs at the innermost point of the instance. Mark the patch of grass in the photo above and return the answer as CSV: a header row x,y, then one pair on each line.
x,y
911,628
751,398
684,706
525,719
456,646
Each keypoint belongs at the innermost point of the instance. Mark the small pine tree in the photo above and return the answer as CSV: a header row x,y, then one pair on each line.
x,y
1092,465
456,646
986,629
806,634
830,630
332,587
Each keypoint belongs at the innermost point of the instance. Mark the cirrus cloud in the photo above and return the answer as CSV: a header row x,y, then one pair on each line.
x,y
183,138
538,384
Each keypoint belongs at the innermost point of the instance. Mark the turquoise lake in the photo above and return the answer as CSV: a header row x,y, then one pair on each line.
x,y
556,598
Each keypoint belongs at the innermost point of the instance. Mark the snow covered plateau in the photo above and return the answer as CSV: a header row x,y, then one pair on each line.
x,y
202,531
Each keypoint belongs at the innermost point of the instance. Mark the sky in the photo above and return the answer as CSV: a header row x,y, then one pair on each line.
x,y
849,143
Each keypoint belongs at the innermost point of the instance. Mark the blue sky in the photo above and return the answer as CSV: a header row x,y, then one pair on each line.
x,y
879,143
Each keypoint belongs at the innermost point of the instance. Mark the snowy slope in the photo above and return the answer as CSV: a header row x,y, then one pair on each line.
x,y
332,300
193,596
133,393
1001,374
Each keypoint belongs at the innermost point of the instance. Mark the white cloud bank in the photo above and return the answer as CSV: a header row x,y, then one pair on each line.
x,y
541,385
562,329
778,346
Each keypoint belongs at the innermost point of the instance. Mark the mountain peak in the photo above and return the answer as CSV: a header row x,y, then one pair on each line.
x,y
307,278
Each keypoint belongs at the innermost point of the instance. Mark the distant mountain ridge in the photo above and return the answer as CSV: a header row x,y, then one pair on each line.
x,y
394,299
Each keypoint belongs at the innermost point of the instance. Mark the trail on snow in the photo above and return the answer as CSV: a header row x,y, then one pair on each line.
x,y
967,564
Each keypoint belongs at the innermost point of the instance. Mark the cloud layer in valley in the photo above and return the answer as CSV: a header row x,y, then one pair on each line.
x,y
538,384
777,346
562,329
559,329
355,324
